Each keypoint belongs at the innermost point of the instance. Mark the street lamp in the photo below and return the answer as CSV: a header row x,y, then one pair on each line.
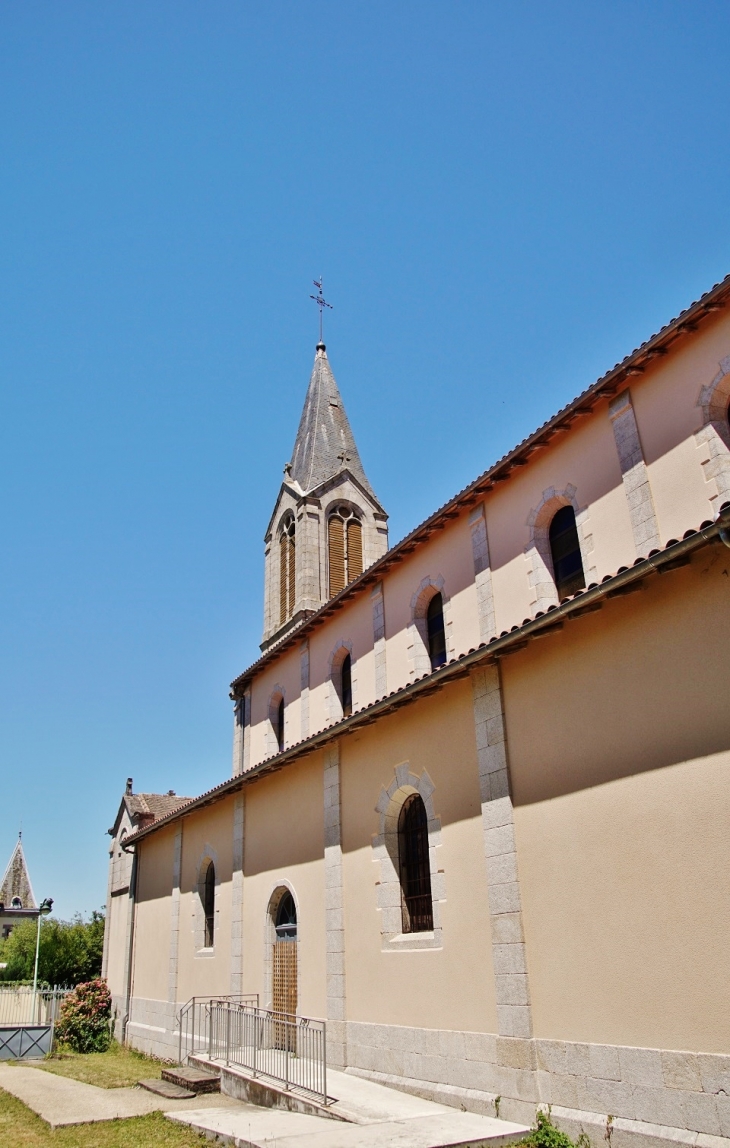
x,y
45,908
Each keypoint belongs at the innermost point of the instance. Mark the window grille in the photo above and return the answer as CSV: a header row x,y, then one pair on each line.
x,y
346,685
566,555
209,905
344,537
415,871
287,571
436,632
279,730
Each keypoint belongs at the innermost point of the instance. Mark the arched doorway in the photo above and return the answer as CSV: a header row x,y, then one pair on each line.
x,y
284,963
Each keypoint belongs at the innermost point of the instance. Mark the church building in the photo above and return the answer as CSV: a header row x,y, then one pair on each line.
x,y
478,816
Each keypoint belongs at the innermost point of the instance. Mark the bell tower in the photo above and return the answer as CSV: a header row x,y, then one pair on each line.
x,y
327,526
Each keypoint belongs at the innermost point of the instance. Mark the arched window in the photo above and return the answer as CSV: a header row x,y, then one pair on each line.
x,y
17,903
287,569
286,919
344,547
415,872
209,904
565,551
436,632
279,730
346,685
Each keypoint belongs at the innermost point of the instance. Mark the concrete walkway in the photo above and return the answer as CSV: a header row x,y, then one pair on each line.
x,y
61,1101
378,1117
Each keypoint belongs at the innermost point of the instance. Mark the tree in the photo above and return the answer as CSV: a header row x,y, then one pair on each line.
x,y
70,951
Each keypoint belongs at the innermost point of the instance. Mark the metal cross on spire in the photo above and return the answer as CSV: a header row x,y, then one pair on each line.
x,y
321,302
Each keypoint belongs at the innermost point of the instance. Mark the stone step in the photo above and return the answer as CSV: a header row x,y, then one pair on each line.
x,y
167,1089
195,1080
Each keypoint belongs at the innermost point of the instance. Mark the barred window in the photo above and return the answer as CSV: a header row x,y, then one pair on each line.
x,y
344,545
415,872
565,551
436,632
209,905
346,685
287,569
280,725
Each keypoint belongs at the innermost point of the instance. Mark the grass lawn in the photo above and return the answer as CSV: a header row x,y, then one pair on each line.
x,y
21,1128
117,1068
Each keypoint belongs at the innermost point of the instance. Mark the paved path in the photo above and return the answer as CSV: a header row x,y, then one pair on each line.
x,y
60,1100
380,1118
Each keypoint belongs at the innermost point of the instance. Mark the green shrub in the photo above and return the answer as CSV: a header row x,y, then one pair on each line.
x,y
85,1022
547,1135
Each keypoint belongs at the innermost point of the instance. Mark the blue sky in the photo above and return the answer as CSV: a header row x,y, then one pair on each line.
x,y
503,199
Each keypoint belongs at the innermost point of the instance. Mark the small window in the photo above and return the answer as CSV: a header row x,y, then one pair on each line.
x,y
280,725
565,550
436,633
415,872
209,905
346,686
17,903
286,919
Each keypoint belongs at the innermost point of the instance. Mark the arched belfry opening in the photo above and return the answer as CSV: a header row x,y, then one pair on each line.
x,y
328,525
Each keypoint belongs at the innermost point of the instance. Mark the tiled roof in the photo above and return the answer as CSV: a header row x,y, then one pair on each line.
x,y
154,804
676,553
619,375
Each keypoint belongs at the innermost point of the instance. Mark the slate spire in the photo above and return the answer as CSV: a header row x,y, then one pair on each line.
x,y
325,444
16,882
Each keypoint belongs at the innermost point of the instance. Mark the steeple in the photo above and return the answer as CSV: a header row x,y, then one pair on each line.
x,y
327,525
325,444
16,886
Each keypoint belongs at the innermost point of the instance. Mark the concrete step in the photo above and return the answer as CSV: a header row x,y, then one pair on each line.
x,y
167,1089
195,1078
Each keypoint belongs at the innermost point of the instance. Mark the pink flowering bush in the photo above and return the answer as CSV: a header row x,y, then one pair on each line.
x,y
85,1022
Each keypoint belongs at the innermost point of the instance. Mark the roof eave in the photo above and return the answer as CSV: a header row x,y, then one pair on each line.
x,y
676,553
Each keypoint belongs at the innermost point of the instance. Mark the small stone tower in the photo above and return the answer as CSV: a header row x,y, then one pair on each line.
x,y
327,526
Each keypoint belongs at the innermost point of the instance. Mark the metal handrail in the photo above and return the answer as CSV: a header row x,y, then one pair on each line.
x,y
290,1050
192,1020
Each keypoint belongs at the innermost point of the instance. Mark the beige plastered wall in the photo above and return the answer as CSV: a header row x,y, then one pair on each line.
x,y
117,944
207,834
284,827
666,404
453,986
353,625
619,742
152,915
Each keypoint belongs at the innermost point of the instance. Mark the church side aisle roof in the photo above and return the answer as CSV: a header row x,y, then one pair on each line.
x,y
584,602
325,444
605,387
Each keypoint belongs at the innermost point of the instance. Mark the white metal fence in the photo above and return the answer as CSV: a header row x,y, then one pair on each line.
x,y
24,1006
193,1022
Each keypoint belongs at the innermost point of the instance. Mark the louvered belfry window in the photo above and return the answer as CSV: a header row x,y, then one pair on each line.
x,y
287,571
415,871
344,545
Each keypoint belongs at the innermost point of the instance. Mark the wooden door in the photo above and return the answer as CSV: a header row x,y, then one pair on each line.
x,y
285,990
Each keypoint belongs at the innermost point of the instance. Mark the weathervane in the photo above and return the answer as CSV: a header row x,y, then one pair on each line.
x,y
321,302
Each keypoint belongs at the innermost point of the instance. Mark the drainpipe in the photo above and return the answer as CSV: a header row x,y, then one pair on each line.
x,y
130,944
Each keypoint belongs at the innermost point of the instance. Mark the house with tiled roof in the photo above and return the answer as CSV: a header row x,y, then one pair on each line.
x,y
477,815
